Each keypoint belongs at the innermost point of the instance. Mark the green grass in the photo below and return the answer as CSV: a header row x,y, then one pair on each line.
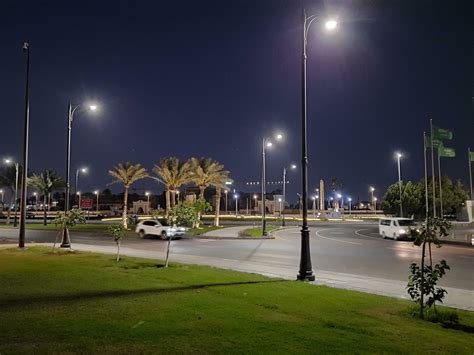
x,y
88,227
202,230
257,231
79,302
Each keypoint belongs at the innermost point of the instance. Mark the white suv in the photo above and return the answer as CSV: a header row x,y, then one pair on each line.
x,y
158,228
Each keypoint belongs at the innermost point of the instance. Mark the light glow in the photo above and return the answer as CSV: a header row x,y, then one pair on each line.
x,y
330,25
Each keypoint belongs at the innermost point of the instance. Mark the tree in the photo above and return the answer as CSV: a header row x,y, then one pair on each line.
x,y
207,172
118,231
69,219
172,173
412,198
46,182
127,174
8,180
423,279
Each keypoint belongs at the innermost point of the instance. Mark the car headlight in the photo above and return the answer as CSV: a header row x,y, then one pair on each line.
x,y
402,231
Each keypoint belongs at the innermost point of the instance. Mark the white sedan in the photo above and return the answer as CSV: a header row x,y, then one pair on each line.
x,y
158,228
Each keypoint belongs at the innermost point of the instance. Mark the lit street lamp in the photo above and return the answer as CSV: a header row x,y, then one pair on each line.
x,y
10,161
96,193
147,194
306,269
65,242
255,201
293,166
35,194
266,143
80,170
372,189
375,204
226,191
236,204
399,156
350,205
314,206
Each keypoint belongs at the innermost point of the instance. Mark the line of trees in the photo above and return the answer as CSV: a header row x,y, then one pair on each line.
x,y
174,173
413,197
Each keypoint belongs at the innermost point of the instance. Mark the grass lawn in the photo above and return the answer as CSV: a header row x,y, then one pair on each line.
x,y
88,227
257,231
79,302
202,230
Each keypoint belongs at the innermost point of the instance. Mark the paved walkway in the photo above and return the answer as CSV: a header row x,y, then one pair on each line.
x,y
228,232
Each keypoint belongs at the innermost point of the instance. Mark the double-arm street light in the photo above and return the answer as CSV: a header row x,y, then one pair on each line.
x,y
65,242
8,162
306,270
293,166
399,157
266,143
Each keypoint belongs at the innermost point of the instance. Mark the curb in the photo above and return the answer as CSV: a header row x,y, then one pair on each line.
x,y
225,238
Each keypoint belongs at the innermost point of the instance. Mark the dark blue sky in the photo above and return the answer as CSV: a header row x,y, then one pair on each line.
x,y
209,78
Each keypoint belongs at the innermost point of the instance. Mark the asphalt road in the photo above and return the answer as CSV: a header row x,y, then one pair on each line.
x,y
349,248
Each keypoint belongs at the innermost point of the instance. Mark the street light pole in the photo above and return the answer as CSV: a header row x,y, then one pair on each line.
x,y
264,222
97,201
306,269
284,197
400,182
226,204
65,242
26,134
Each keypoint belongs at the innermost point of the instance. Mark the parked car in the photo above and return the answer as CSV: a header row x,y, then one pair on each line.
x,y
159,228
396,227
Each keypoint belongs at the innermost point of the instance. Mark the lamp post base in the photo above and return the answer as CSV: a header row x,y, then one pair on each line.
x,y
306,269
65,241
306,276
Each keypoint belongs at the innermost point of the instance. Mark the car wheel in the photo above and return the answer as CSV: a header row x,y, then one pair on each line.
x,y
141,233
163,235
395,236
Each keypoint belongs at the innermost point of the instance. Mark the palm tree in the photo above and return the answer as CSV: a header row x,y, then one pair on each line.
x,y
8,180
207,172
172,173
127,174
46,182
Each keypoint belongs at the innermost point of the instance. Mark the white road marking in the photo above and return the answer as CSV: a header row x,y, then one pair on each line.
x,y
366,236
337,232
336,240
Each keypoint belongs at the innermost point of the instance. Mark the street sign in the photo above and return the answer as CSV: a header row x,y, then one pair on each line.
x,y
86,203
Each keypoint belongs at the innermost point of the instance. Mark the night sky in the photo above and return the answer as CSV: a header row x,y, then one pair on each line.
x,y
210,78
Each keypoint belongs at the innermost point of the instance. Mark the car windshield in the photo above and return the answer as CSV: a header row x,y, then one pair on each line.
x,y
405,223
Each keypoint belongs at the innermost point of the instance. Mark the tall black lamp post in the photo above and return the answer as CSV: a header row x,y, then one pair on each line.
x,y
26,133
306,270
65,242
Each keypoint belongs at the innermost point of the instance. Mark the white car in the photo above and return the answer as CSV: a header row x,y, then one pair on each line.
x,y
158,228
396,227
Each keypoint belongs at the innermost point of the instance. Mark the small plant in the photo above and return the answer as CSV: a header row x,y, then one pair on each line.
x,y
69,219
188,214
423,279
132,220
117,231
